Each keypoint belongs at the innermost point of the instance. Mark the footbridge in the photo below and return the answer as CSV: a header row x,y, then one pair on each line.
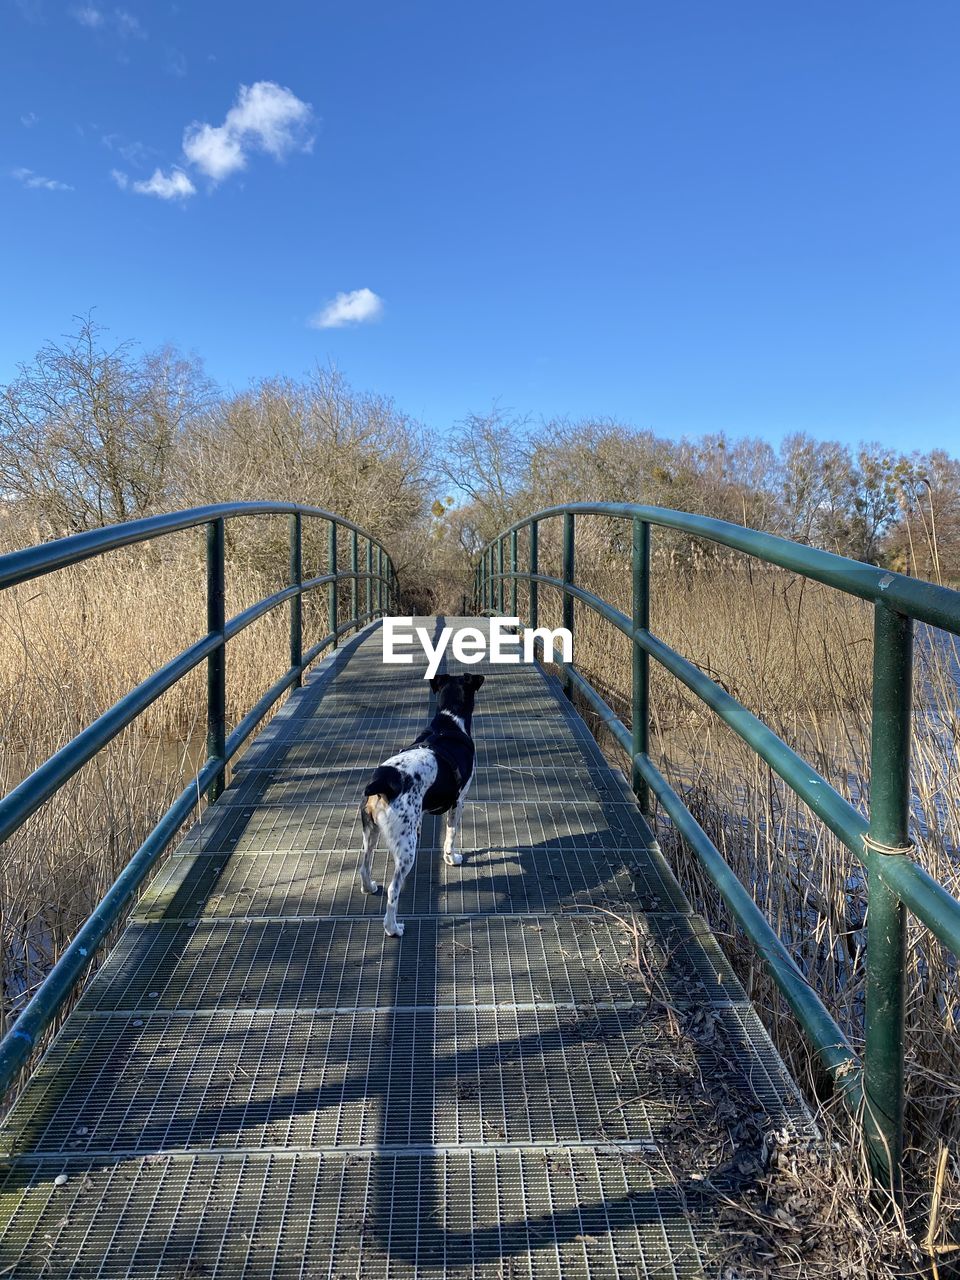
x,y
553,1073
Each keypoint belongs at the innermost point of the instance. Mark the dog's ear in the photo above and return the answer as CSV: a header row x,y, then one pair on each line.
x,y
474,681
437,683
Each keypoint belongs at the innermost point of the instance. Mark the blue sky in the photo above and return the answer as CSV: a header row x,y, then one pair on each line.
x,y
705,216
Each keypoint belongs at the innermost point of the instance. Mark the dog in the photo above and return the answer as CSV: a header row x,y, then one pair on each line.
x,y
432,775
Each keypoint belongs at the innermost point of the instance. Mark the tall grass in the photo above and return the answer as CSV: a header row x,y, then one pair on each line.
x,y
795,653
71,644
800,656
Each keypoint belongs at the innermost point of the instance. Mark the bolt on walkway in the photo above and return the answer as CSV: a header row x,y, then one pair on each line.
x,y
545,1077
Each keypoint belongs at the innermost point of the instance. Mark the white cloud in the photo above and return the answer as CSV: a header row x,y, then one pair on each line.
x,y
214,150
266,117
88,16
121,22
270,116
128,25
358,307
37,182
174,185
29,119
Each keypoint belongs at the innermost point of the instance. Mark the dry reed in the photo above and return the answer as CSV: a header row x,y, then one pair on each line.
x,y
800,656
71,644
795,653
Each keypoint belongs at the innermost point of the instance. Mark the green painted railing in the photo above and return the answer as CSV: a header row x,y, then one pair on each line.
x,y
873,1088
380,595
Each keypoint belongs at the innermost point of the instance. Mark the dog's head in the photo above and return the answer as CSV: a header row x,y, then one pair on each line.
x,y
456,694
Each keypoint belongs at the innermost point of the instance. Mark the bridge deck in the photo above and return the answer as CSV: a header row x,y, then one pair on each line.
x,y
551,1074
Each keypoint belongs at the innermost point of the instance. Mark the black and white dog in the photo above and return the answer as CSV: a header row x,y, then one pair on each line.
x,y
434,774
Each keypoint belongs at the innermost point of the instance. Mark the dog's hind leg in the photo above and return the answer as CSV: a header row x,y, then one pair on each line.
x,y
404,849
371,834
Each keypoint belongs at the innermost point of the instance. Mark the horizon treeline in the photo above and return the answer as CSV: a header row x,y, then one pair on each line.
x,y
93,433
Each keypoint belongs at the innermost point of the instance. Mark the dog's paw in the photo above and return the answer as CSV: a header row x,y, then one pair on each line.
x,y
396,931
372,887
453,859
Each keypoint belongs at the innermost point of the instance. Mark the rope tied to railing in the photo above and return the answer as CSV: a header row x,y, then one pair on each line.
x,y
875,846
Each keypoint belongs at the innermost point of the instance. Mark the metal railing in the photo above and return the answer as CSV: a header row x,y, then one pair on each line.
x,y
380,582
874,1088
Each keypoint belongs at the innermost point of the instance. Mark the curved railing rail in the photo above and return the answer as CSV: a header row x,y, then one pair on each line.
x,y
380,589
895,881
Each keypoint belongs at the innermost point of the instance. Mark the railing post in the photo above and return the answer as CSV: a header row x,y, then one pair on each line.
x,y
886,915
380,580
500,583
217,661
296,602
354,569
640,720
534,568
568,569
332,568
513,571
369,577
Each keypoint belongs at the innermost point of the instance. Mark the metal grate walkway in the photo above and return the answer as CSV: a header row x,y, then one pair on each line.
x,y
544,1077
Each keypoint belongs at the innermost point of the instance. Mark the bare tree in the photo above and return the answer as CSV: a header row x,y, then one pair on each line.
x,y
816,482
874,502
487,459
926,537
88,433
317,442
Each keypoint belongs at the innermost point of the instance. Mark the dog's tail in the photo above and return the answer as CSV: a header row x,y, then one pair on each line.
x,y
385,785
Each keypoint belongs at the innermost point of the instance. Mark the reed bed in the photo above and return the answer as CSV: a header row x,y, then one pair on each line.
x,y
795,653
71,644
800,656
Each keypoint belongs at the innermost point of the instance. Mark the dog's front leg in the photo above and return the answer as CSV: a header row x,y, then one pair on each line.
x,y
454,816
